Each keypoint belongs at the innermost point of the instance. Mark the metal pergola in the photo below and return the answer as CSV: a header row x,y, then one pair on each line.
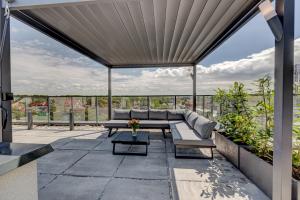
x,y
160,33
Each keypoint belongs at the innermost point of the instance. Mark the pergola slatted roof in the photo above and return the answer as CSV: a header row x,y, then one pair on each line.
x,y
138,33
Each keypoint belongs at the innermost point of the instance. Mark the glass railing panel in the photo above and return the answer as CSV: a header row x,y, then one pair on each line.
x,y
199,105
162,102
208,107
216,109
84,109
184,102
130,102
19,109
38,105
102,109
60,109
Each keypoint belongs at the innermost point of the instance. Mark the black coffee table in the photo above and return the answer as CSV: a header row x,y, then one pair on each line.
x,y
125,138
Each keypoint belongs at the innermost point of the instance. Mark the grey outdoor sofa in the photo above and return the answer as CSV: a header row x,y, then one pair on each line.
x,y
188,129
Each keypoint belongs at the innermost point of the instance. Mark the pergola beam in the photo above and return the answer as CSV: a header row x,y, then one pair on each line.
x,y
152,65
32,4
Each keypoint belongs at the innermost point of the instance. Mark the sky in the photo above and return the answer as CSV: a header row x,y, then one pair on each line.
x,y
43,66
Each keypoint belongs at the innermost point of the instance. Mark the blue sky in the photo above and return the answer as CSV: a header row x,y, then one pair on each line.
x,y
41,65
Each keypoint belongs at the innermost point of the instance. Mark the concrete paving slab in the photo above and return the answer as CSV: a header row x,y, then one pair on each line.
x,y
59,160
216,170
45,179
81,144
60,142
169,146
188,190
96,163
106,145
153,166
74,188
125,189
156,146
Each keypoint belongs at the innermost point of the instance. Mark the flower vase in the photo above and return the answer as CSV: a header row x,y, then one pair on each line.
x,y
134,133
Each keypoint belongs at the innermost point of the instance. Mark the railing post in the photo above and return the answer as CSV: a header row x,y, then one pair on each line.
x,y
175,101
29,120
148,102
96,102
71,120
194,88
109,94
203,105
212,107
48,102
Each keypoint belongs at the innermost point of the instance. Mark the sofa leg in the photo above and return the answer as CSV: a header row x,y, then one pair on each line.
x,y
111,133
164,132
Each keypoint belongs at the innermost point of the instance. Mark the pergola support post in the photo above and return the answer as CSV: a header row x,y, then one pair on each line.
x,y
109,94
194,88
5,81
283,113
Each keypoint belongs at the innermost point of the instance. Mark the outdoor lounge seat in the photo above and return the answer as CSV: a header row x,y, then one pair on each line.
x,y
186,137
149,119
188,129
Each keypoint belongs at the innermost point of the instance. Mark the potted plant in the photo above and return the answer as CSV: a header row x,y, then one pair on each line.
x,y
254,150
134,124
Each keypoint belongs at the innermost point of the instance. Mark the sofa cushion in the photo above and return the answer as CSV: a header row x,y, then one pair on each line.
x,y
158,114
139,114
183,135
116,124
187,114
172,123
192,119
121,114
204,127
175,114
163,124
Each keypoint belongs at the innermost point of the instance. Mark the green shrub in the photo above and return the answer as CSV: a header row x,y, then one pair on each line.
x,y
236,116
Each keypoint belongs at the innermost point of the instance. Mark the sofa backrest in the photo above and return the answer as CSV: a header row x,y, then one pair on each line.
x,y
192,119
204,127
152,114
176,114
139,114
158,114
187,113
120,114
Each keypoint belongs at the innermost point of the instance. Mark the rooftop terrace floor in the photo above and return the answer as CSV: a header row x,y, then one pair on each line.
x,y
83,167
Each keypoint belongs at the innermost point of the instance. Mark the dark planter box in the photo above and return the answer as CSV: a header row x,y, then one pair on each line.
x,y
295,189
227,148
257,170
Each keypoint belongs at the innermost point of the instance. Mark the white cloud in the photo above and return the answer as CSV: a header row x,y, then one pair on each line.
x,y
39,71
